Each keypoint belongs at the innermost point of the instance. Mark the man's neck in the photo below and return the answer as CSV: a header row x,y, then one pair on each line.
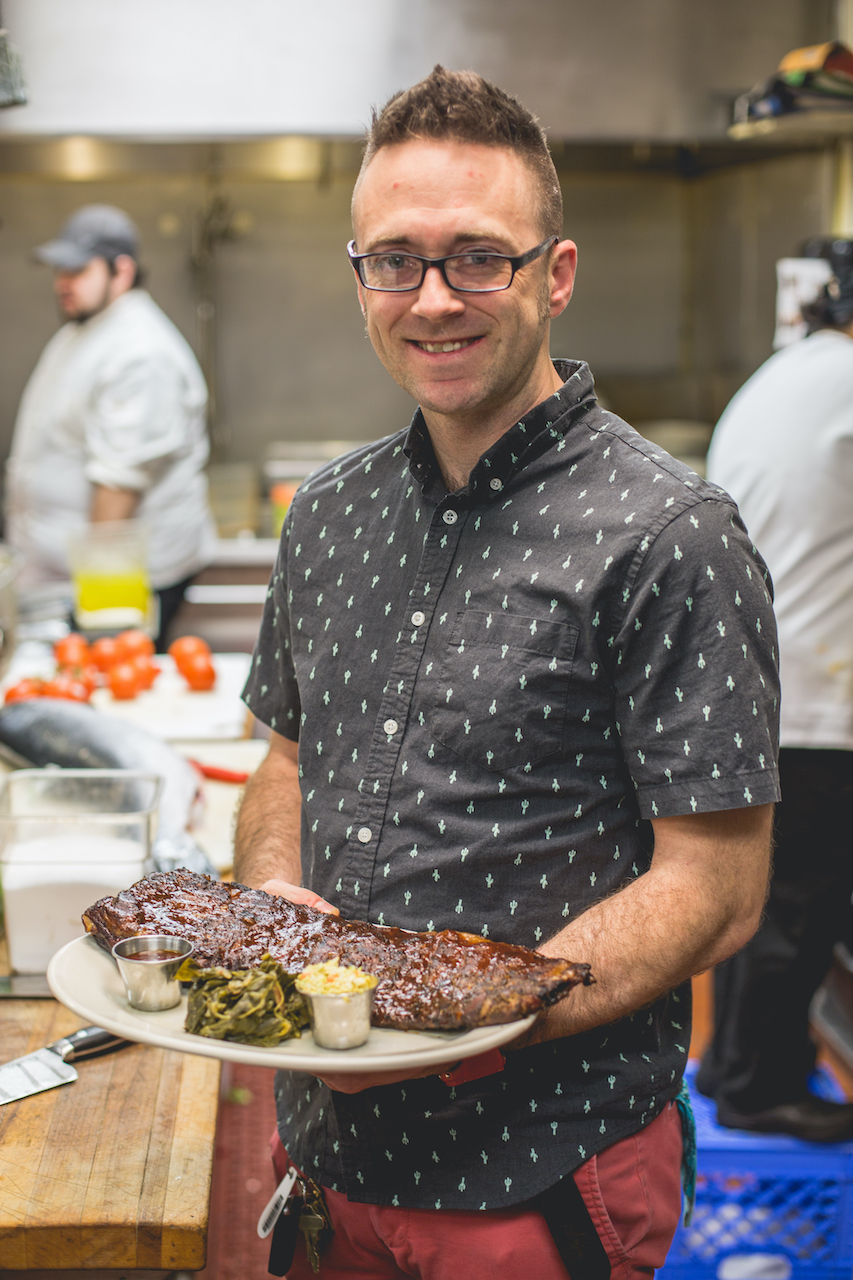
x,y
461,441
109,301
458,451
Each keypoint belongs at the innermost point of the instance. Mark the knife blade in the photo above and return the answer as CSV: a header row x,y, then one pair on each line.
x,y
24,986
48,1067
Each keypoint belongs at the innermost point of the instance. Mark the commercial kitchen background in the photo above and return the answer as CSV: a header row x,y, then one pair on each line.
x,y
231,135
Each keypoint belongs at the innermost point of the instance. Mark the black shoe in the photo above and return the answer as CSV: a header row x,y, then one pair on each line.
x,y
705,1081
811,1119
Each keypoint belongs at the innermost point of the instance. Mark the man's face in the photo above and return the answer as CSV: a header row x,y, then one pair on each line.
x,y
82,294
461,355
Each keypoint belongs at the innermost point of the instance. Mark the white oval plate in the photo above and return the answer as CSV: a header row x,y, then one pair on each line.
x,y
85,979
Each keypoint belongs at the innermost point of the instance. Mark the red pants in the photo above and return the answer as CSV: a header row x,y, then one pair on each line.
x,y
632,1191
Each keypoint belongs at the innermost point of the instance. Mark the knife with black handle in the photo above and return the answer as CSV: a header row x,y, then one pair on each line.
x,y
46,1068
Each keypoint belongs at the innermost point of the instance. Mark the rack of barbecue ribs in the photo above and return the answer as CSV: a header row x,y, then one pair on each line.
x,y
443,981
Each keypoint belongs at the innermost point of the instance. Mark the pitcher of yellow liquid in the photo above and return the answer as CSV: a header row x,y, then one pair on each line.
x,y
110,576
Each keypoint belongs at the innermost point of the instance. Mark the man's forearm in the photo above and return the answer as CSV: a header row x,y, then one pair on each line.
x,y
266,841
700,901
112,504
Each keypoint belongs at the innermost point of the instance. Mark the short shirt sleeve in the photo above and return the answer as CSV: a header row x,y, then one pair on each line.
x,y
136,421
271,691
696,671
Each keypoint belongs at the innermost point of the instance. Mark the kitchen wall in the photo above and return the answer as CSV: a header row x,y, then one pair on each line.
x,y
675,294
734,224
654,69
741,221
673,307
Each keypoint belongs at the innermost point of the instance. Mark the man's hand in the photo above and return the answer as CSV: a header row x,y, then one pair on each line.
x,y
295,893
357,1082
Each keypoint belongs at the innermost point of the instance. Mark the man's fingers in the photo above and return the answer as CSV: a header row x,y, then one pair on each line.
x,y
357,1081
295,893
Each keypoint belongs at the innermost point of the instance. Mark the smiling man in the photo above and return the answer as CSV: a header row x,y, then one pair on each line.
x,y
518,666
473,360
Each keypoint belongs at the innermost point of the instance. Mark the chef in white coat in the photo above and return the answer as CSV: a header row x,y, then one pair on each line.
x,y
784,450
112,421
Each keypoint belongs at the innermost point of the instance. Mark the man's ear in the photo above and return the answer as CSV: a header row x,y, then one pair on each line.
x,y
124,271
563,267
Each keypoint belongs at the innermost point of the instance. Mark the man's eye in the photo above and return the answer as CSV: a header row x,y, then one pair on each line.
x,y
391,262
476,259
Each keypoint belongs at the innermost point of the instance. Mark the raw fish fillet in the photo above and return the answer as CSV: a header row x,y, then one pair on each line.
x,y
445,981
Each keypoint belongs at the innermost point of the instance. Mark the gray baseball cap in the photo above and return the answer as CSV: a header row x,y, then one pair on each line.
x,y
95,231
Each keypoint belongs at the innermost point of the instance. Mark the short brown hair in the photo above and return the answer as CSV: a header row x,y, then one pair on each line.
x,y
463,107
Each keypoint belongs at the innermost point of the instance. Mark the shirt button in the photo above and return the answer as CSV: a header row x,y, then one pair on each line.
x,y
418,618
390,726
496,484
365,835
450,516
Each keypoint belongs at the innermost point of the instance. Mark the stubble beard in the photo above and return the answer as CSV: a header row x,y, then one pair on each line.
x,y
495,391
81,316
483,404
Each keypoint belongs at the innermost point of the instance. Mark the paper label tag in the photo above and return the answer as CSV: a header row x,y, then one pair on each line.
x,y
273,1211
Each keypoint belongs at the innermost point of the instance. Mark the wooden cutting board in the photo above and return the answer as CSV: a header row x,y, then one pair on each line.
x,y
112,1172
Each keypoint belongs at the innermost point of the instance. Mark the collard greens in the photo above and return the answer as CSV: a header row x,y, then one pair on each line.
x,y
253,1006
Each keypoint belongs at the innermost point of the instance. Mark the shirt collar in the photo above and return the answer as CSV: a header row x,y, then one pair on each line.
x,y
527,439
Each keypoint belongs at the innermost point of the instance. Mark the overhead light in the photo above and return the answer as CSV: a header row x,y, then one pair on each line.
x,y
293,158
80,158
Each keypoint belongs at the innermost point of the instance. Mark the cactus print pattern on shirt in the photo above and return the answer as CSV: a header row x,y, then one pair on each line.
x,y
494,691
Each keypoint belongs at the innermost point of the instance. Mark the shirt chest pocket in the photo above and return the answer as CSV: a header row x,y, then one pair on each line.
x,y
503,688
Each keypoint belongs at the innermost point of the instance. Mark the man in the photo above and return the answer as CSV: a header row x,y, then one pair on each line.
x,y
505,656
112,421
784,449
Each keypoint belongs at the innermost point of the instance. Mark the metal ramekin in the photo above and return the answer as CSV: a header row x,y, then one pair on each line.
x,y
151,985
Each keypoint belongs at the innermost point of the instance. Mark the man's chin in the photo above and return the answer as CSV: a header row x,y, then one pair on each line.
x,y
448,391
77,315
455,398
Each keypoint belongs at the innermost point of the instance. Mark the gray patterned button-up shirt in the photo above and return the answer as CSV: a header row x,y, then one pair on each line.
x,y
494,690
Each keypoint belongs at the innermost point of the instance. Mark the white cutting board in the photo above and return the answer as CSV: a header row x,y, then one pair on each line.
x,y
174,712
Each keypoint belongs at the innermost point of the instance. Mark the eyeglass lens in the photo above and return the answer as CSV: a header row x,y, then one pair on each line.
x,y
473,272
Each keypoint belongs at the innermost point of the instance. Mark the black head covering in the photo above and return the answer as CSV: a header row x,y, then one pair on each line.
x,y
833,306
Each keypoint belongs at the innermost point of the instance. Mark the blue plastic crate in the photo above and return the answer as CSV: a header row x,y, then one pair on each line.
x,y
767,1207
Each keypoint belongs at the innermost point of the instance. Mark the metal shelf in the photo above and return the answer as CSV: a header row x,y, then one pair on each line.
x,y
806,125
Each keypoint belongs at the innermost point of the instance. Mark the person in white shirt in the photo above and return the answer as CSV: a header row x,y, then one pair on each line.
x,y
784,450
111,425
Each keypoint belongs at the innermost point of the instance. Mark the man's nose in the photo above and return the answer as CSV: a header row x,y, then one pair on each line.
x,y
435,297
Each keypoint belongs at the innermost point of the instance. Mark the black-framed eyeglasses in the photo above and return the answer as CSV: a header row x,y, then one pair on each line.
x,y
470,272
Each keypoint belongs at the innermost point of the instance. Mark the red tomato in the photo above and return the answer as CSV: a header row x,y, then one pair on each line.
x,y
105,653
199,672
186,647
71,651
132,643
90,675
147,671
66,685
27,688
123,680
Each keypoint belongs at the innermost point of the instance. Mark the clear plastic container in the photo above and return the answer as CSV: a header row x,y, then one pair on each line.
x,y
67,838
110,575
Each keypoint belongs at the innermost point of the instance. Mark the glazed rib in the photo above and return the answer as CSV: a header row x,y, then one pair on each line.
x,y
445,981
